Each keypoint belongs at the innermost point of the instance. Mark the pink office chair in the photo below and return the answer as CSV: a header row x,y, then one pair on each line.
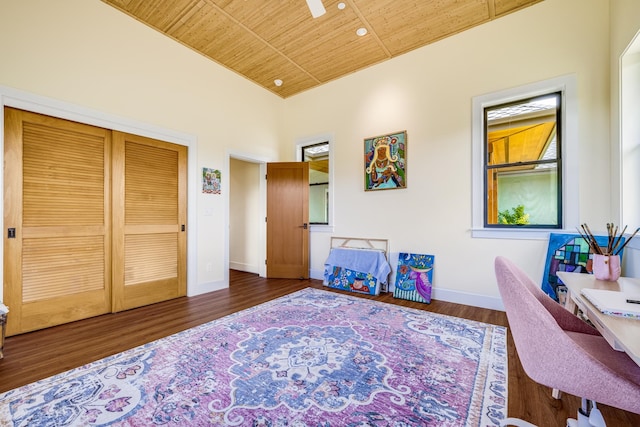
x,y
560,351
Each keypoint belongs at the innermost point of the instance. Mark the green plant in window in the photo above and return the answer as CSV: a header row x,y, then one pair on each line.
x,y
516,216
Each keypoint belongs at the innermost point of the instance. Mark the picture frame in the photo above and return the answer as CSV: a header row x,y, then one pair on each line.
x,y
385,162
211,181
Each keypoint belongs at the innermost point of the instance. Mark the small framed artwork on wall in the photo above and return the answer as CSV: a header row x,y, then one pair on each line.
x,y
211,180
385,162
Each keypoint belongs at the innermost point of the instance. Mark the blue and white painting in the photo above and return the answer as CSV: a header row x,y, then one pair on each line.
x,y
567,252
414,277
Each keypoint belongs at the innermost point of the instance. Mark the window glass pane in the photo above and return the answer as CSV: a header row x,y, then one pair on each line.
x,y
523,197
318,157
318,203
522,163
522,132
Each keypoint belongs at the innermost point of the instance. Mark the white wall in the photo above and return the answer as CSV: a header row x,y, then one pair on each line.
x,y
625,42
87,54
428,92
630,136
90,55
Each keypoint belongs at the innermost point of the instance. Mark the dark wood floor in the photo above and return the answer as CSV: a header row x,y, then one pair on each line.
x,y
36,355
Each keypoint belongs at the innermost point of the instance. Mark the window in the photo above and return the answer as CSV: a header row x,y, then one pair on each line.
x,y
523,179
317,154
630,134
525,161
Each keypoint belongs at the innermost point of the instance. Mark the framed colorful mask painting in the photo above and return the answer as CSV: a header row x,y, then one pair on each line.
x,y
385,162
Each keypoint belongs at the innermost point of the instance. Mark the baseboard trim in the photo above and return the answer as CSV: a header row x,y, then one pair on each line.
x,y
316,274
203,288
244,267
449,295
474,300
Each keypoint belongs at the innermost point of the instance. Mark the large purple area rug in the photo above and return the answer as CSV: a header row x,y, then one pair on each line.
x,y
312,358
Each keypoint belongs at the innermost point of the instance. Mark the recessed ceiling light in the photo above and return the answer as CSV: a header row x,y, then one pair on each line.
x,y
341,5
361,31
277,82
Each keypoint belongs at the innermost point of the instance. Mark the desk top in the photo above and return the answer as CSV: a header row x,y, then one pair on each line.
x,y
622,333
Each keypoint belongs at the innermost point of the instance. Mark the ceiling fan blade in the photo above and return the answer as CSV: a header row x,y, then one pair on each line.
x,y
316,7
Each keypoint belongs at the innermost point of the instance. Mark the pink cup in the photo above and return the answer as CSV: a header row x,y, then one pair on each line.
x,y
606,267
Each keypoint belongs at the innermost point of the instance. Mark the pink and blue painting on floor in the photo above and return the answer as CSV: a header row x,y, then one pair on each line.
x,y
414,277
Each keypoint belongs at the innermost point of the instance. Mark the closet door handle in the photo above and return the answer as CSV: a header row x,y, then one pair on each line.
x,y
305,226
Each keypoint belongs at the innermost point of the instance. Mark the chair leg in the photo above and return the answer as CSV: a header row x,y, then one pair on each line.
x,y
588,416
556,394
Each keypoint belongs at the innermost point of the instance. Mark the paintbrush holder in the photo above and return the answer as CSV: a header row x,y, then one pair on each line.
x,y
606,267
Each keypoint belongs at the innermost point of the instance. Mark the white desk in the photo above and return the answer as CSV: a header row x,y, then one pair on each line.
x,y
623,334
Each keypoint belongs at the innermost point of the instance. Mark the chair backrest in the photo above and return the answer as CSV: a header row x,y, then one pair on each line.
x,y
536,334
565,319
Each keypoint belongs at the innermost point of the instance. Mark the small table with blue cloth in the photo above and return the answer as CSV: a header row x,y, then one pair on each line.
x,y
356,270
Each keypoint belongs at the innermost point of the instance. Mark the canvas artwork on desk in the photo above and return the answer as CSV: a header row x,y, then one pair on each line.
x,y
414,277
567,252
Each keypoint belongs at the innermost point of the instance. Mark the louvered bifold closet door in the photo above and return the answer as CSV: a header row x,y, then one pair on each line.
x,y
149,221
57,218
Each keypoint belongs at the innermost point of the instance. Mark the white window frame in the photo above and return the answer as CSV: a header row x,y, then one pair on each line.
x,y
312,140
567,85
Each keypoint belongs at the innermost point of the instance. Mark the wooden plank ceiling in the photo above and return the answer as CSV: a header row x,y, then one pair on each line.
x,y
265,40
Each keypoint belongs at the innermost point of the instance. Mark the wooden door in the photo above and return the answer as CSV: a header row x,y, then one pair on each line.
x,y
149,221
56,212
288,220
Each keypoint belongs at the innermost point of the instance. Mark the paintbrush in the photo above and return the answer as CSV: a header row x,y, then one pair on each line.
x,y
627,241
585,236
594,244
615,245
594,249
